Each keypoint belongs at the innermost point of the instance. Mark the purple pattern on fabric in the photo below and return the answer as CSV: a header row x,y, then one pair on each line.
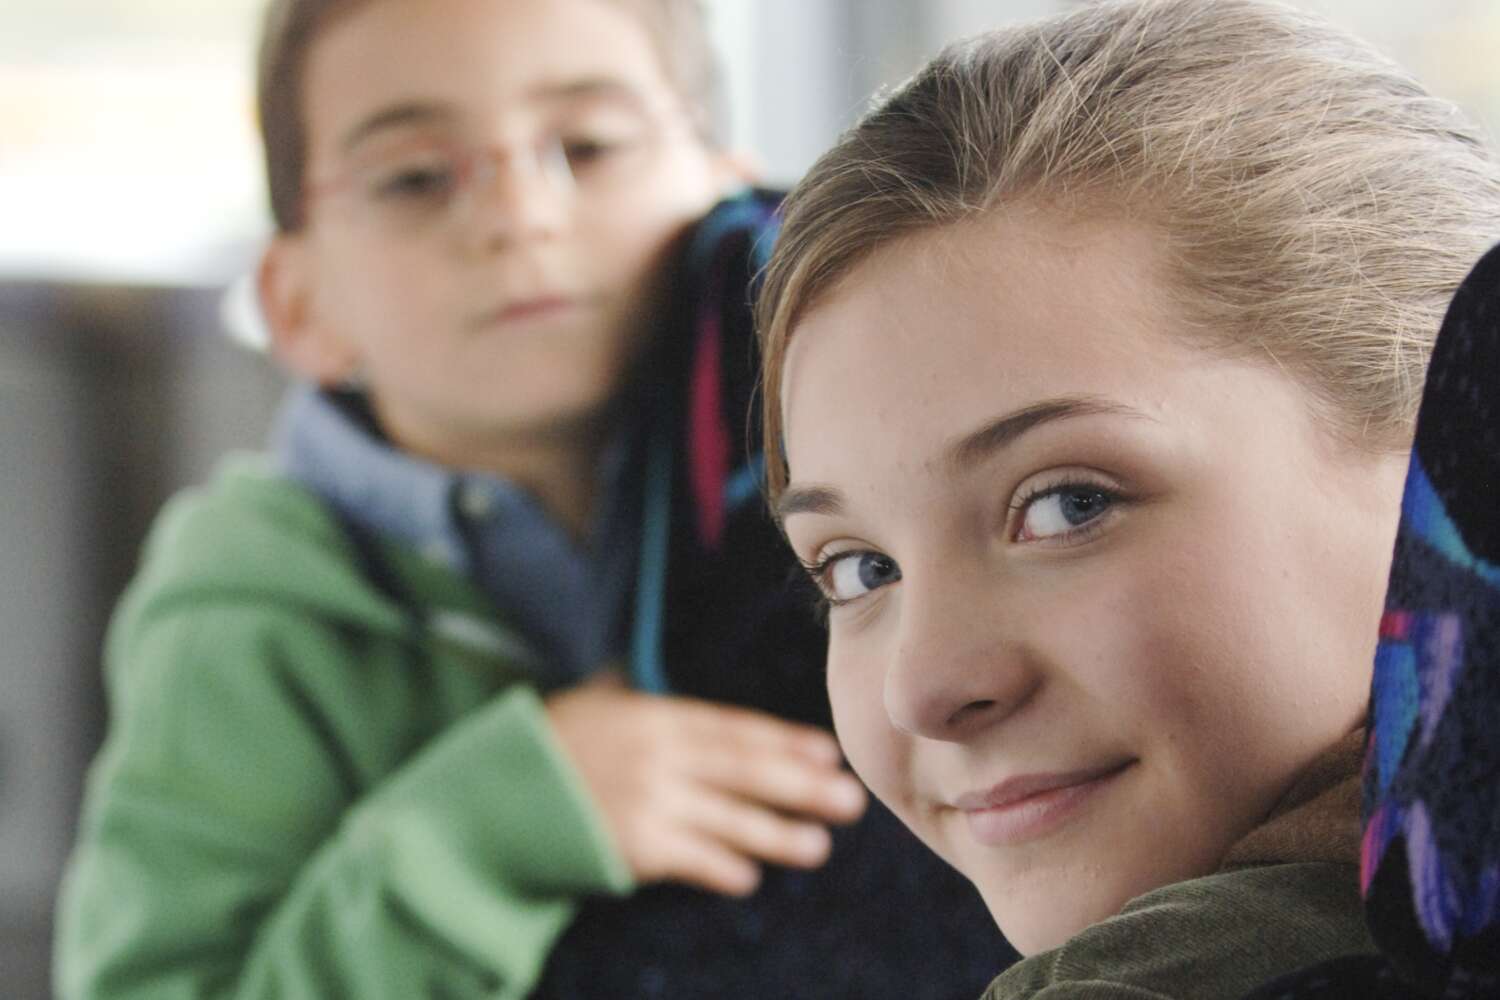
x,y
1434,896
1439,662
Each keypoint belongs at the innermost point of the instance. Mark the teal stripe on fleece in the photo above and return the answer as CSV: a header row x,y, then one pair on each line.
x,y
747,482
646,667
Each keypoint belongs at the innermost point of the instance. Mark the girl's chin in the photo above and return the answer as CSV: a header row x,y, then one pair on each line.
x,y
1034,922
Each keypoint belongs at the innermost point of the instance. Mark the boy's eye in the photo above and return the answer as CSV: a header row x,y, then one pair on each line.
x,y
414,182
586,151
1059,511
850,575
581,152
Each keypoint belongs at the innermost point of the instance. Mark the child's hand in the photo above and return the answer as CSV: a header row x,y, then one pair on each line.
x,y
702,793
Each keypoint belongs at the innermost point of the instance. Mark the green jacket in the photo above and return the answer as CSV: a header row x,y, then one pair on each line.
x,y
1211,938
395,819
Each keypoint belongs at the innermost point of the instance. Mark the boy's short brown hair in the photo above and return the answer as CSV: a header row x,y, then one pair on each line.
x,y
677,28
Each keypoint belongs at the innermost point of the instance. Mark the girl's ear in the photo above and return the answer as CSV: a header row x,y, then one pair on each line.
x,y
300,341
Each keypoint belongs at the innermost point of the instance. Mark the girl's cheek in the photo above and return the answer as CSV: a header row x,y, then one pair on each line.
x,y
871,743
848,697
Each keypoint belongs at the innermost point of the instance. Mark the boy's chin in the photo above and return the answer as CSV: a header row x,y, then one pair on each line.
x,y
565,419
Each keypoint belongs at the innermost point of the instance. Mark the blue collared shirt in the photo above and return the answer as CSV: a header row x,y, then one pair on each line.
x,y
568,599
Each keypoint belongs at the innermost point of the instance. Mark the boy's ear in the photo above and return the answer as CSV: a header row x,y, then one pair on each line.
x,y
300,341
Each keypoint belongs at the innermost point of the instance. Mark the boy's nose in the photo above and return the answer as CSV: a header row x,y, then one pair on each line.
x,y
517,195
959,664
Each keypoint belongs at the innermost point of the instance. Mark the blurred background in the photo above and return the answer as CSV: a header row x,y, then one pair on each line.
x,y
131,197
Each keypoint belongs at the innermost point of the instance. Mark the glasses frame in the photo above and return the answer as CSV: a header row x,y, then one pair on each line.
x,y
477,165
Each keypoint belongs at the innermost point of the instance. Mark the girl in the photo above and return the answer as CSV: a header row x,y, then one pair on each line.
x,y
1095,352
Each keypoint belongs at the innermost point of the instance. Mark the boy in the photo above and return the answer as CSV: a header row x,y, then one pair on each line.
x,y
366,741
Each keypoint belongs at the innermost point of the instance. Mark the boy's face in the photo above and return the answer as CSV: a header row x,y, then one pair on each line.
x,y
493,185
1107,594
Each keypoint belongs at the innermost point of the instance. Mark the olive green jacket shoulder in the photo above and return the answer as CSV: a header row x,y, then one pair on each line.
x,y
1204,939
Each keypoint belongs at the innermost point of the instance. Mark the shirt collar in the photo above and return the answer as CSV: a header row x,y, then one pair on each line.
x,y
328,442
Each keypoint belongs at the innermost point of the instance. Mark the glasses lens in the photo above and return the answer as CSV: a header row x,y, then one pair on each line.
x,y
598,154
555,164
410,189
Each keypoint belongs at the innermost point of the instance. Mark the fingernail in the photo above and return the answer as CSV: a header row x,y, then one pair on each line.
x,y
848,794
814,843
749,881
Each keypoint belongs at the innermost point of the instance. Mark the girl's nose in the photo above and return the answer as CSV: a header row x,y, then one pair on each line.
x,y
960,663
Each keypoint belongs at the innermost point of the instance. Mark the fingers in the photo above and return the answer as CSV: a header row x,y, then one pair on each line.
x,y
751,732
702,793
720,842
757,832
791,767
705,862
707,722
784,783
787,766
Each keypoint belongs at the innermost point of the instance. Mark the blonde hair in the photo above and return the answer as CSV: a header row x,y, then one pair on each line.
x,y
1317,207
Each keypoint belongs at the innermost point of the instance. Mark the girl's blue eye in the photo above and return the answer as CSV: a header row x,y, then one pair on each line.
x,y
850,575
1057,512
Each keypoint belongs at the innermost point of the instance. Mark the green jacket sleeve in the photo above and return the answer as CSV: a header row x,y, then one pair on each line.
x,y
275,817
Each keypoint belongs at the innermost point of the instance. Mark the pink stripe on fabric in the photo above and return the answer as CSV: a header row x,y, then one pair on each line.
x,y
709,445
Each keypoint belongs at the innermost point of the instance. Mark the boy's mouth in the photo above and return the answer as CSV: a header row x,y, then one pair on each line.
x,y
533,309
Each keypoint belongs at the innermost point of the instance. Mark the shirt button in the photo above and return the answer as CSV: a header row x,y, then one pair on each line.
x,y
475,502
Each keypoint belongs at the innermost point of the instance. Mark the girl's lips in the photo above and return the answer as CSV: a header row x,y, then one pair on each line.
x,y
1029,806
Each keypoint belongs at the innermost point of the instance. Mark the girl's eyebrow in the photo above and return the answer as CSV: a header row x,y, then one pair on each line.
x,y
968,450
1003,431
808,500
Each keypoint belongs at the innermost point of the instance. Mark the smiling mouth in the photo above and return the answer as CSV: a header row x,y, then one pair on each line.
x,y
1029,807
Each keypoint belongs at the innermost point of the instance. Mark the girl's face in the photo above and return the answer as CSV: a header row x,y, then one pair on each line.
x,y
1098,595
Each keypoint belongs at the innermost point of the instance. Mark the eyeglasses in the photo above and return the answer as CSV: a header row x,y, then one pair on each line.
x,y
426,184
